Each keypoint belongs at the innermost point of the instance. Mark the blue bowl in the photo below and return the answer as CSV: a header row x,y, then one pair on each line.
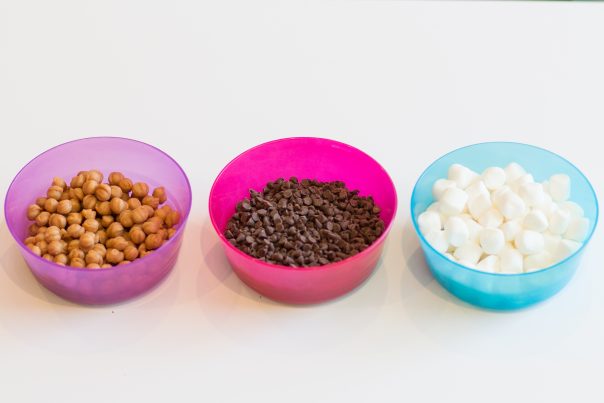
x,y
494,290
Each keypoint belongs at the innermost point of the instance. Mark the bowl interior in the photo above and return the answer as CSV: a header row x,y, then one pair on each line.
x,y
305,158
136,160
537,161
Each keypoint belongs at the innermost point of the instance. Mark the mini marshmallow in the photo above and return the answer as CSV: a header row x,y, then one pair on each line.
x,y
477,188
577,229
547,204
450,256
497,194
474,228
440,186
429,221
511,229
453,201
467,263
537,261
529,242
550,242
532,193
535,221
573,208
513,171
524,179
468,252
491,218
456,231
461,175
494,178
511,261
438,240
509,204
489,264
559,187
566,247
559,221
492,240
479,204
434,207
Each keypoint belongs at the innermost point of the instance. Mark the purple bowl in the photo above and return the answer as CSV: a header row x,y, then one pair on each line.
x,y
136,160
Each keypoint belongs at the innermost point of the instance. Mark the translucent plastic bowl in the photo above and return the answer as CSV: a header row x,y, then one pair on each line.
x,y
136,160
503,291
312,158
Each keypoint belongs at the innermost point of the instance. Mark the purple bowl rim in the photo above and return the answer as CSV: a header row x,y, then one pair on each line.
x,y
502,275
329,266
117,267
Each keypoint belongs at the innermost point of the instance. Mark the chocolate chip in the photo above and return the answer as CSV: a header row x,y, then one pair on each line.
x,y
244,217
304,223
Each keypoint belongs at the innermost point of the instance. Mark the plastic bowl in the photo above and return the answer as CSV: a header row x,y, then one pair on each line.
x,y
312,158
492,290
138,161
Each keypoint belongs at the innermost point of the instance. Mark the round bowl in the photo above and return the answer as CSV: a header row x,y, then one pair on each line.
x,y
138,161
312,158
494,290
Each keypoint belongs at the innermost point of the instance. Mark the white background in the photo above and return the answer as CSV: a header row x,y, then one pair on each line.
x,y
404,81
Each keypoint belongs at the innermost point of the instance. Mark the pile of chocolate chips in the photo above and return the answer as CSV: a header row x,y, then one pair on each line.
x,y
304,223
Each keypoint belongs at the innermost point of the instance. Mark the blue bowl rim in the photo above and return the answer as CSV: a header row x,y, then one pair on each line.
x,y
536,272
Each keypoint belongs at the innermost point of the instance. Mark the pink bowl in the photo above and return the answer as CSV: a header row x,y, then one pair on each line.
x,y
138,161
312,158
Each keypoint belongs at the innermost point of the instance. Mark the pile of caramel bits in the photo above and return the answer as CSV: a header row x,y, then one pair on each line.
x,y
99,225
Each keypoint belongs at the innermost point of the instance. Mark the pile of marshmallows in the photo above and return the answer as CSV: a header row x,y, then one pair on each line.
x,y
503,221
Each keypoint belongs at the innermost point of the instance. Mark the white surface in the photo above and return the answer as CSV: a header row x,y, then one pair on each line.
x,y
403,81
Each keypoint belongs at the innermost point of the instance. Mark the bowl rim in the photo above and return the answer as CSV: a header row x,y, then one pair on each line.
x,y
134,263
329,266
536,272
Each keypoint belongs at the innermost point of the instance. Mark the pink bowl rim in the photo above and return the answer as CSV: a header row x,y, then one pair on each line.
x,y
135,263
329,266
